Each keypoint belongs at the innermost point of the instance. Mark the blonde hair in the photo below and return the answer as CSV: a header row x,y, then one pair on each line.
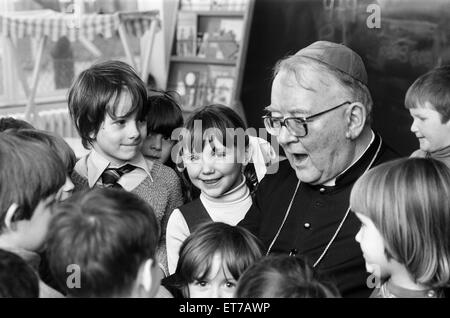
x,y
407,200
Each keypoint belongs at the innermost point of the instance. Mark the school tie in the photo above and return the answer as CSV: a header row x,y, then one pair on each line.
x,y
111,175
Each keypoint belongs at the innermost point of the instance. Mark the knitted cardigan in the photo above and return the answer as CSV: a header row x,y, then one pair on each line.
x,y
163,194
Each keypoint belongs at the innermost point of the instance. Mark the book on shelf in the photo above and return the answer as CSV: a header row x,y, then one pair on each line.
x,y
221,84
195,5
186,37
220,38
223,90
229,5
218,5
203,85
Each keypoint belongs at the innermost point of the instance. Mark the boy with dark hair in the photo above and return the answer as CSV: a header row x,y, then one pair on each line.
x,y
10,122
107,103
111,237
31,175
17,279
428,101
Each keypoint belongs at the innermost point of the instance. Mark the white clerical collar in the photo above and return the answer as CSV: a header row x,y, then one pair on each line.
x,y
332,182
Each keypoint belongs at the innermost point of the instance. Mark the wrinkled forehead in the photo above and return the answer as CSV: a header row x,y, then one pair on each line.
x,y
303,93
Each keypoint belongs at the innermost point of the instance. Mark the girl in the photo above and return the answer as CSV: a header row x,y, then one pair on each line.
x,y
215,160
211,261
404,211
283,276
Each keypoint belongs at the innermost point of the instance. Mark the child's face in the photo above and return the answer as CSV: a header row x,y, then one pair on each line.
x,y
157,147
428,128
34,231
372,246
219,284
214,171
120,140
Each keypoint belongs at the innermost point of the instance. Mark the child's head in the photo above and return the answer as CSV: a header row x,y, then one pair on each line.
x,y
13,123
428,101
30,177
17,278
110,236
405,214
107,104
283,276
62,149
213,258
214,149
163,117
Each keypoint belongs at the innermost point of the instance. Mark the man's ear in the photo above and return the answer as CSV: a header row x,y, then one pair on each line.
x,y
9,223
356,120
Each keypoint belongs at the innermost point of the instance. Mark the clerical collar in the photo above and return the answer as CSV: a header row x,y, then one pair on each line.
x,y
354,171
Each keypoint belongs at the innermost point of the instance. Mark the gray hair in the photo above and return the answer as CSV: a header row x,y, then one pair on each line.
x,y
354,89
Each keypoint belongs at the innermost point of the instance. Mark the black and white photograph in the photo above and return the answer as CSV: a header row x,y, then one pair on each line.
x,y
225,156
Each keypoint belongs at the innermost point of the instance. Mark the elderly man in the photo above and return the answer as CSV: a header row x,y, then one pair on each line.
x,y
320,114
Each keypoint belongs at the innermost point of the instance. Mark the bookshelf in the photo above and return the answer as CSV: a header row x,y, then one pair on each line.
x,y
209,45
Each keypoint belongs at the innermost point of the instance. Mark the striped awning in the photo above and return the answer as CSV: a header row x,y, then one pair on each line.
x,y
54,24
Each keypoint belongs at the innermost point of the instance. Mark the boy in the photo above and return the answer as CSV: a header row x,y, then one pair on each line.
x,y
107,103
31,175
428,101
10,122
108,237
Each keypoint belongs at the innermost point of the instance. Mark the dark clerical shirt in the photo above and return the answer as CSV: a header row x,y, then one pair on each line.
x,y
313,219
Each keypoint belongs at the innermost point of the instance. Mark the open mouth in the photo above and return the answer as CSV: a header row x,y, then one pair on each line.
x,y
299,158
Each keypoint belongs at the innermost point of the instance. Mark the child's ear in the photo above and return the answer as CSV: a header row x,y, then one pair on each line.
x,y
146,279
9,223
179,159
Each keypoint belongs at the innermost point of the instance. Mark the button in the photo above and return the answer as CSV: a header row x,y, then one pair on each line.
x,y
322,190
318,204
306,225
293,252
431,294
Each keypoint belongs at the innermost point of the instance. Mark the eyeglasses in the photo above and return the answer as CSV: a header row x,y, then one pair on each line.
x,y
297,126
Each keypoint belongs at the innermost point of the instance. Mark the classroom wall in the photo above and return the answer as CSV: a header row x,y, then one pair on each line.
x,y
413,37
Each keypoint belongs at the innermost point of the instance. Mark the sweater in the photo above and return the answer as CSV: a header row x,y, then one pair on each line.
x,y
229,208
163,194
442,155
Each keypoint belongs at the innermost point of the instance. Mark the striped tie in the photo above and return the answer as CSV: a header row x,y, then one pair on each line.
x,y
111,175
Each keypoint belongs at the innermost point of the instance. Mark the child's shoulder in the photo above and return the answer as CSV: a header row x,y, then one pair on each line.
x,y
81,166
161,171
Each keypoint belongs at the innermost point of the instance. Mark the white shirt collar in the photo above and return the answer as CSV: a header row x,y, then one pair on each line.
x,y
95,164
